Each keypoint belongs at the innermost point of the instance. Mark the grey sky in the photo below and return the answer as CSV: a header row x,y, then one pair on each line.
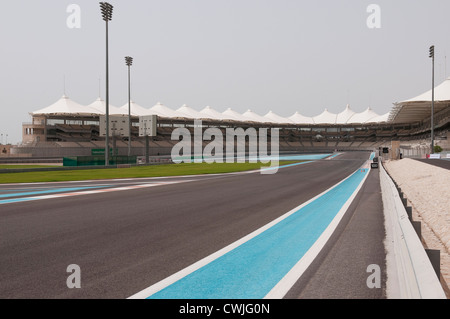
x,y
279,55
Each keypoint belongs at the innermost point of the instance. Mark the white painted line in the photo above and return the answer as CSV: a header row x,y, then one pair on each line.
x,y
99,191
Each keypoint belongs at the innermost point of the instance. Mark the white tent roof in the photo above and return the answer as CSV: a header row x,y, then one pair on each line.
x,y
190,112
66,106
380,118
231,114
100,105
348,116
419,108
164,111
364,117
298,118
325,117
209,112
441,93
345,116
275,118
136,109
252,116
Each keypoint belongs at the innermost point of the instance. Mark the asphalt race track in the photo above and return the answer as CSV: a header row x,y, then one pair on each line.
x,y
442,163
127,235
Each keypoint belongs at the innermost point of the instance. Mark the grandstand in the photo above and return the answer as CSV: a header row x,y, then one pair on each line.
x,y
67,128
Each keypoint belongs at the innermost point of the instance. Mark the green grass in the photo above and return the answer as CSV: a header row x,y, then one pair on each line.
x,y
133,172
15,166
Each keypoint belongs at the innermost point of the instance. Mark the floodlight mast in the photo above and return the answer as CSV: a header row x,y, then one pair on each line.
x,y
107,10
129,63
432,100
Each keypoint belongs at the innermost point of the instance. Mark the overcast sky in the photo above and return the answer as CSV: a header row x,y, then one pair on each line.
x,y
279,55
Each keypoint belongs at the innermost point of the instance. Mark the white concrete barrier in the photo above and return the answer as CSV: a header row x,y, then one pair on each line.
x,y
410,274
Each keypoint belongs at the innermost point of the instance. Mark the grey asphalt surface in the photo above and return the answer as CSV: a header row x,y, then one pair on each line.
x,y
126,241
442,163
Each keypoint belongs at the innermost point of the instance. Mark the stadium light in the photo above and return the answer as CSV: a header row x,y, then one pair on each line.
x,y
432,99
129,63
107,10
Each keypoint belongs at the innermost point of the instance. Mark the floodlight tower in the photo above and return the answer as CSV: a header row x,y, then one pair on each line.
x,y
432,99
129,63
107,10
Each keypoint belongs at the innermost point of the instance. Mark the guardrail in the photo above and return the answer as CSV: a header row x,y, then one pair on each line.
x,y
410,272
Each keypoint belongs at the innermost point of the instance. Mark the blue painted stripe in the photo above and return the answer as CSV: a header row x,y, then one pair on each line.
x,y
252,269
16,200
50,191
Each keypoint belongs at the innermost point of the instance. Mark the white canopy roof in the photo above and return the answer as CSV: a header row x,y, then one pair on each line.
x,y
365,117
69,107
275,118
419,108
190,112
252,116
164,111
348,116
325,117
441,93
298,118
136,109
345,116
65,106
209,112
231,114
380,118
100,105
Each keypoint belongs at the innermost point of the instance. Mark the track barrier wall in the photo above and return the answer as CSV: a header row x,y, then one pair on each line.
x,y
411,274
